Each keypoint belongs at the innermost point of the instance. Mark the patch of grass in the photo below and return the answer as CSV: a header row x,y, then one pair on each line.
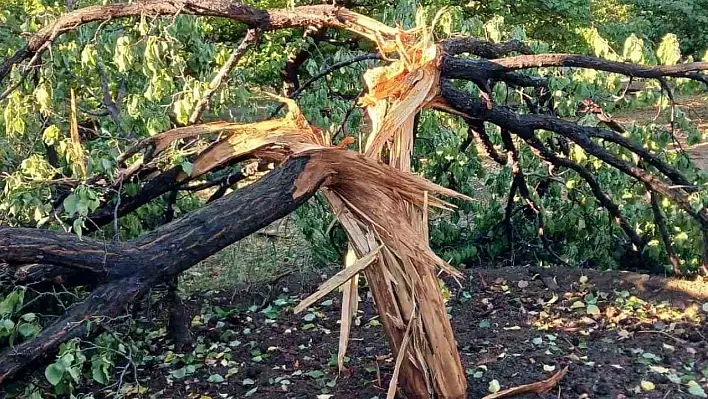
x,y
258,258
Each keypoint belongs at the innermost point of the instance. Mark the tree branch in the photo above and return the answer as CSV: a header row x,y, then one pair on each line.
x,y
484,48
318,15
660,223
475,128
597,191
473,69
252,37
524,125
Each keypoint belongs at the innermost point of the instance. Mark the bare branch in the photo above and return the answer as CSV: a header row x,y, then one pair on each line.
x,y
524,125
111,106
476,128
472,69
318,15
484,48
251,38
660,223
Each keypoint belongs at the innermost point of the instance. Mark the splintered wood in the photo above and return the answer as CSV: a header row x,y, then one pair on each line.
x,y
406,289
382,208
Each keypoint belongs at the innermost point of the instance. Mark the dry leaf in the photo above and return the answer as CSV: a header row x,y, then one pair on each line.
x,y
647,385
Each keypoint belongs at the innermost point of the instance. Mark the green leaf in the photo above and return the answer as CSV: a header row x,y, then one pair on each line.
x,y
187,167
669,51
122,55
647,385
216,378
578,154
27,330
494,386
633,49
179,373
10,303
7,325
696,390
75,373
43,96
98,374
315,374
71,204
593,310
78,226
577,305
54,373
88,56
29,317
491,28
181,109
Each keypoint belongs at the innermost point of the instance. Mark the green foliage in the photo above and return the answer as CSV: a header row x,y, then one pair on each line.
x,y
16,324
77,362
687,19
325,236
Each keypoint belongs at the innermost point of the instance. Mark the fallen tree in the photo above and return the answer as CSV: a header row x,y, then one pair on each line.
x,y
382,208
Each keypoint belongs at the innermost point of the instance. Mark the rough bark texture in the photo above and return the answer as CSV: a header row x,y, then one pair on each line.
x,y
135,266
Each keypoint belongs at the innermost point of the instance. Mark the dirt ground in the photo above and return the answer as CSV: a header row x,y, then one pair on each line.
x,y
620,334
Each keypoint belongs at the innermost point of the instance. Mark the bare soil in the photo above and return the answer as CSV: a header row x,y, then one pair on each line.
x,y
635,336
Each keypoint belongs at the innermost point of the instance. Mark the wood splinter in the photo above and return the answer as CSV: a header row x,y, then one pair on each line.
x,y
539,387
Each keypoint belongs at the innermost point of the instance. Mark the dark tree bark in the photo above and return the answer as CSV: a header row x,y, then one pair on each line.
x,y
133,267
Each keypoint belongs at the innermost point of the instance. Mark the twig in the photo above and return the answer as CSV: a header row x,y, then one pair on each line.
x,y
326,72
108,102
116,229
538,388
341,128
660,223
252,37
670,94
476,129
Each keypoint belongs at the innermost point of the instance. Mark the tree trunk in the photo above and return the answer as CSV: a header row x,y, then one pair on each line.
x,y
130,269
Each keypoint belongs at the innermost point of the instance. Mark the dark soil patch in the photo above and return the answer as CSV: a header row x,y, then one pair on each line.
x,y
514,325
